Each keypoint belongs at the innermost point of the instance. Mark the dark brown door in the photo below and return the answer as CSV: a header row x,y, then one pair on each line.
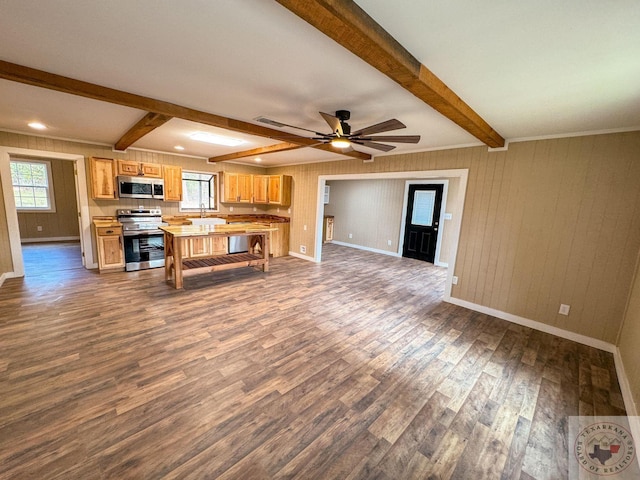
x,y
421,226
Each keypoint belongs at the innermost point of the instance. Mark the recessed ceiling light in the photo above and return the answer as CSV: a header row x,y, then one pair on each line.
x,y
179,147
258,159
37,125
216,139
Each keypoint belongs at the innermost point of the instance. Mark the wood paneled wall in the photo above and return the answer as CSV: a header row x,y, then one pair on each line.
x,y
64,221
545,222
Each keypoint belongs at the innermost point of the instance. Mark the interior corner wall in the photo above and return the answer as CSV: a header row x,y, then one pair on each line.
x,y
545,222
630,339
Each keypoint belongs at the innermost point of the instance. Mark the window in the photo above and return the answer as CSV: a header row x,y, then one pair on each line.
x,y
199,189
32,185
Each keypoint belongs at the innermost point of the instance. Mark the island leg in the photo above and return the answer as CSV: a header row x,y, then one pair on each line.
x,y
177,260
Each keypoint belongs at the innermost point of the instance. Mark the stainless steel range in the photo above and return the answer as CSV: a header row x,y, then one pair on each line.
x,y
143,240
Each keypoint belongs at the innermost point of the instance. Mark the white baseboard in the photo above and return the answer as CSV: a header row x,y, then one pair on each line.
x,y
368,249
543,327
303,257
49,239
6,275
627,396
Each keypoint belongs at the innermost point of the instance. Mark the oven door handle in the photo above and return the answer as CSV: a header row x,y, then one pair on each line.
x,y
142,233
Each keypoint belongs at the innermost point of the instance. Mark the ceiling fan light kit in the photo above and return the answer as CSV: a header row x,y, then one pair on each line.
x,y
342,138
341,142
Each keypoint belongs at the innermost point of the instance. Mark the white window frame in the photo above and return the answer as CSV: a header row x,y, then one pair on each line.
x,y
216,198
50,189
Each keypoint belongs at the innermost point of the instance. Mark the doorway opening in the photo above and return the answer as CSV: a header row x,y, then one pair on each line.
x,y
79,205
454,183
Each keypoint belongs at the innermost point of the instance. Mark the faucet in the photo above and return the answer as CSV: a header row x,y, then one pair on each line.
x,y
202,210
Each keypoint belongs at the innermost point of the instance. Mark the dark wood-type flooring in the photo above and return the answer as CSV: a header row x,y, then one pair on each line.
x,y
349,369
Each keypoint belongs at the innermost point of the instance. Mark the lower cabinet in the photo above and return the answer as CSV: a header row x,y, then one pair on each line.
x,y
205,247
279,240
327,229
110,248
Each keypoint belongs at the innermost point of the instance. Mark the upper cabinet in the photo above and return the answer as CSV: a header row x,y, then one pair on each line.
x,y
131,168
103,178
237,187
280,190
256,189
172,183
260,189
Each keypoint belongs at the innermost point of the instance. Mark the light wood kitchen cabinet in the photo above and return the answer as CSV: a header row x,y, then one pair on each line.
x,y
237,187
279,241
103,178
260,189
151,170
205,247
172,183
110,248
279,190
327,229
132,169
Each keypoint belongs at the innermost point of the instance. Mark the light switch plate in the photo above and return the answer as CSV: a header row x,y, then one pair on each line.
x,y
564,309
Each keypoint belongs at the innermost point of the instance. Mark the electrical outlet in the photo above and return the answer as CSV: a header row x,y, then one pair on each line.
x,y
39,228
351,235
454,280
304,228
389,242
255,209
289,211
303,249
231,209
564,309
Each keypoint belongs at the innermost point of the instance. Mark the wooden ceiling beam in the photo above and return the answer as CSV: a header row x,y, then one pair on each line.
x,y
279,147
283,147
146,124
159,108
350,26
51,81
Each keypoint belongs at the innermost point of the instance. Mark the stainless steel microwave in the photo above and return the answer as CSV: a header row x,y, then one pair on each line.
x,y
140,187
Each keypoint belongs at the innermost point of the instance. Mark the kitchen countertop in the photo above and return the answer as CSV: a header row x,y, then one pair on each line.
x,y
261,218
106,222
223,229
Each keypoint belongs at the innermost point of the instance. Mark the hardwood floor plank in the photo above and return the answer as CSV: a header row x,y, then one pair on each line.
x,y
353,368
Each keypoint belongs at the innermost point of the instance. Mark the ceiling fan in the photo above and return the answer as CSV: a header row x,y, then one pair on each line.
x,y
341,136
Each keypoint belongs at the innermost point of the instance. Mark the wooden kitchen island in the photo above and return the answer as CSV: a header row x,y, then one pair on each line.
x,y
177,238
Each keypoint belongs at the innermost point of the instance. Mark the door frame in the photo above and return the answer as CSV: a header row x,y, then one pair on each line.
x,y
82,204
456,222
443,206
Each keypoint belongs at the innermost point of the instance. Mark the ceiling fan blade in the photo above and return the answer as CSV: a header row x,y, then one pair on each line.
x,y
280,124
387,126
391,138
334,123
377,146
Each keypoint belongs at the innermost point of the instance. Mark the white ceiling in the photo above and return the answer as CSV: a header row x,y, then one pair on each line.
x,y
530,69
